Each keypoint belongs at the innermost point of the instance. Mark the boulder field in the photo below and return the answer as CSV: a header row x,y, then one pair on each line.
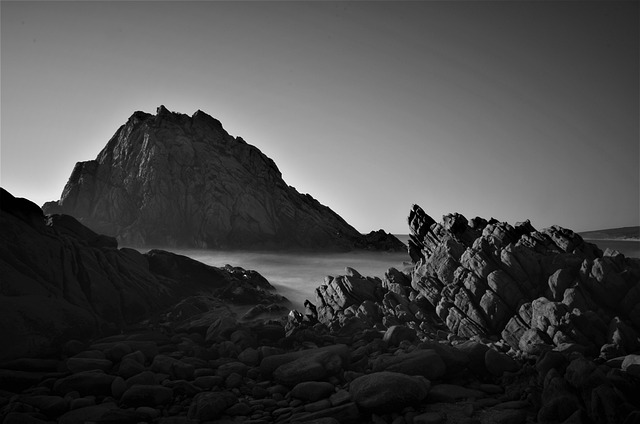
x,y
189,366
432,343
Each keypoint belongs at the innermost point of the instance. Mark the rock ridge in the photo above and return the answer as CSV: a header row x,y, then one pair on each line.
x,y
534,289
176,180
531,290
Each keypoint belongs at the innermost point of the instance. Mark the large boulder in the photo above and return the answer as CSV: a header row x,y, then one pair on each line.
x,y
306,365
388,391
424,362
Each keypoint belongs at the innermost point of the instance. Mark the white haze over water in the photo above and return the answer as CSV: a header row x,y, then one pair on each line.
x,y
296,275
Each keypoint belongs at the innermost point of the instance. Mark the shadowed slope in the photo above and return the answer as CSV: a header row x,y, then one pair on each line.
x,y
60,280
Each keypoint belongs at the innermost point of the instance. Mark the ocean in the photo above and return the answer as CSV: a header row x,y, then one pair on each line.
x,y
629,248
296,275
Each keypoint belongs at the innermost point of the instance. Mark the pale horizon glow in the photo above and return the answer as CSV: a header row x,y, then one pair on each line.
x,y
512,110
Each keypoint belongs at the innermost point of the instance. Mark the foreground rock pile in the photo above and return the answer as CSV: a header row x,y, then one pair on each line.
x,y
198,363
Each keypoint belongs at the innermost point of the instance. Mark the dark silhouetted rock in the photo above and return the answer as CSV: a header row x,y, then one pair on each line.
x,y
424,362
312,390
147,395
388,391
209,406
325,361
61,281
450,393
85,383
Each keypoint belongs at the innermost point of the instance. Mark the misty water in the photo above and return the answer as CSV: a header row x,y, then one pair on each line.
x,y
296,275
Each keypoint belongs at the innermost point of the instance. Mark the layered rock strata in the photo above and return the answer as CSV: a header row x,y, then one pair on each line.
x,y
175,180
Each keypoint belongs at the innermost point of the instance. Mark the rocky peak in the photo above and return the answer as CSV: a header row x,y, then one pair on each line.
x,y
176,180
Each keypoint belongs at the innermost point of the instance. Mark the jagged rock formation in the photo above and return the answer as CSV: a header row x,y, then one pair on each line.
x,y
512,305
535,289
175,180
60,280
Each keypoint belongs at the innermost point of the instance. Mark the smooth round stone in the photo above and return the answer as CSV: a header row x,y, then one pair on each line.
x,y
129,367
147,395
249,356
76,365
312,390
208,381
240,408
259,392
118,387
149,412
116,352
233,381
388,390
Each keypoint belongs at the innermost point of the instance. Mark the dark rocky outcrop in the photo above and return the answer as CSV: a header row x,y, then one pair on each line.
x,y
535,289
60,280
542,311
173,180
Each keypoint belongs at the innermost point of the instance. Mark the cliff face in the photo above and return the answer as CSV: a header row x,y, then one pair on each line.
x,y
175,180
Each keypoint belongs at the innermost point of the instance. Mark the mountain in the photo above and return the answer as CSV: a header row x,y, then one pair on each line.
x,y
173,180
623,233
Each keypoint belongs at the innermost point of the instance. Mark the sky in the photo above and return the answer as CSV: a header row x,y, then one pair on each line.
x,y
508,109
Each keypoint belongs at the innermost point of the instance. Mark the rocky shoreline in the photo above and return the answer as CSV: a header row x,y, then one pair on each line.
x,y
492,324
198,363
